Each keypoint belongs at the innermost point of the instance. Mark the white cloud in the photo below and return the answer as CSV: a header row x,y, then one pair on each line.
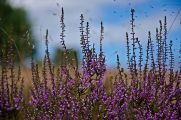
x,y
45,15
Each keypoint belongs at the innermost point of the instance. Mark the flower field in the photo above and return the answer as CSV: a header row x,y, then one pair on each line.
x,y
149,88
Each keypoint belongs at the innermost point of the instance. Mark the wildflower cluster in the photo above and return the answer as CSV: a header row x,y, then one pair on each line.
x,y
11,85
147,91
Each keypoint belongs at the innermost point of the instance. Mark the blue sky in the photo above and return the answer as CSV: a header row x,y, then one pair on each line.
x,y
115,15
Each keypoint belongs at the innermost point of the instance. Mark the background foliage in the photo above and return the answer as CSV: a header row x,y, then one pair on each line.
x,y
14,25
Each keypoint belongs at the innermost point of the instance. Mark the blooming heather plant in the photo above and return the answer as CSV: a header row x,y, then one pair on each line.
x,y
11,85
75,94
150,90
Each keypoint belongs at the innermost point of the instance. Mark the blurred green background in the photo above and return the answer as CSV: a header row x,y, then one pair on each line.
x,y
15,25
